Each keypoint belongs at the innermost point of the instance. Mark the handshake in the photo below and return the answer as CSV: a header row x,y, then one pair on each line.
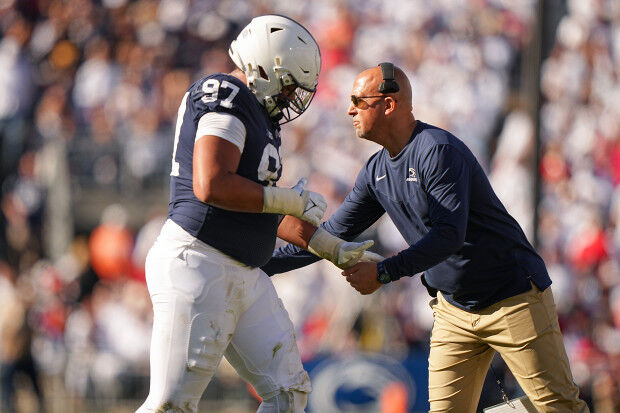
x,y
310,206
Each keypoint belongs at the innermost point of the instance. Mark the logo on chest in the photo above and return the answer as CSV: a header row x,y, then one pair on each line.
x,y
412,176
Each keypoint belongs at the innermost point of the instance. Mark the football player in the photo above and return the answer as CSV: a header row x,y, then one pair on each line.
x,y
209,296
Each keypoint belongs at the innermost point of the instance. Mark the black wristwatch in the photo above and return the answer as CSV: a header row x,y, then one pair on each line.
x,y
382,275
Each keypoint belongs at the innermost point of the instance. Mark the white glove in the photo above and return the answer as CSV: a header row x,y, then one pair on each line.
x,y
370,256
307,205
342,253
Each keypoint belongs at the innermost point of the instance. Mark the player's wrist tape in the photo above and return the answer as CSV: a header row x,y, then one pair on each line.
x,y
325,245
285,201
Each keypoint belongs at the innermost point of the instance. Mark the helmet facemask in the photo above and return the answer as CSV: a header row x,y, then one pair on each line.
x,y
291,102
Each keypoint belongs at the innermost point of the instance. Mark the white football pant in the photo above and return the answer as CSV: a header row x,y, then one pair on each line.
x,y
206,305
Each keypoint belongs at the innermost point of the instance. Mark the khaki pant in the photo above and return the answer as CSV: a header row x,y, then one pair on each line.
x,y
524,329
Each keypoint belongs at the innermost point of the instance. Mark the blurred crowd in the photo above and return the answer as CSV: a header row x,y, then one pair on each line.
x,y
580,203
102,79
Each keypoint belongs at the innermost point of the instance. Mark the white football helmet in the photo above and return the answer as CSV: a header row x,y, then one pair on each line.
x,y
276,52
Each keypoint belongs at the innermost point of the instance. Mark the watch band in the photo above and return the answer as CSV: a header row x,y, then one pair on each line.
x,y
382,275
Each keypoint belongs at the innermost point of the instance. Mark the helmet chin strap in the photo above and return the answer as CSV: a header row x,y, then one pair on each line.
x,y
277,117
271,106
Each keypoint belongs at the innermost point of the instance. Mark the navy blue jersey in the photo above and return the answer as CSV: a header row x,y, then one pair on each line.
x,y
441,201
247,237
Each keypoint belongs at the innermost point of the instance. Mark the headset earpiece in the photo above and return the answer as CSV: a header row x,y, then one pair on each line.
x,y
388,85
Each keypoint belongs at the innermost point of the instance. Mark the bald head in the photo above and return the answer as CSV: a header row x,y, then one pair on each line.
x,y
385,118
367,84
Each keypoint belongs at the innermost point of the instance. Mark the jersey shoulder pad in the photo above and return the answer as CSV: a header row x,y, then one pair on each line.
x,y
222,93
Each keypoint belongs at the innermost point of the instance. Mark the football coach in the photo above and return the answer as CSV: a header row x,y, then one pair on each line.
x,y
491,289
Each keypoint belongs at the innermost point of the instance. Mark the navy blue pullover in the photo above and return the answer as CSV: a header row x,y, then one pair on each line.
x,y
441,201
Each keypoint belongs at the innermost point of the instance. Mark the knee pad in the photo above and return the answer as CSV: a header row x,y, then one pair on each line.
x,y
209,336
284,402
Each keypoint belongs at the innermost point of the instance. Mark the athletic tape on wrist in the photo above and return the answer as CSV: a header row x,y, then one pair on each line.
x,y
325,245
283,201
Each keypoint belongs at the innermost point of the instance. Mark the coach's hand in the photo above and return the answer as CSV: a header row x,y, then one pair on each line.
x,y
363,277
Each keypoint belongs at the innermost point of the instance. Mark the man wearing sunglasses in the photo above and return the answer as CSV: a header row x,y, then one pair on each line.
x,y
491,288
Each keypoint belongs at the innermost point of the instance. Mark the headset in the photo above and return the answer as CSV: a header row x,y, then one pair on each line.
x,y
388,85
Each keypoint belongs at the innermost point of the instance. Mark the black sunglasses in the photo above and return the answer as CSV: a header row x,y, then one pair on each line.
x,y
357,99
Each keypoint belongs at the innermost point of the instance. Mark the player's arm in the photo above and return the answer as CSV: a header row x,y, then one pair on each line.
x,y
325,245
296,231
215,181
358,212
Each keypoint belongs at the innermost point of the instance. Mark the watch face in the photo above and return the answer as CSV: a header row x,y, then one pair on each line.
x,y
384,278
